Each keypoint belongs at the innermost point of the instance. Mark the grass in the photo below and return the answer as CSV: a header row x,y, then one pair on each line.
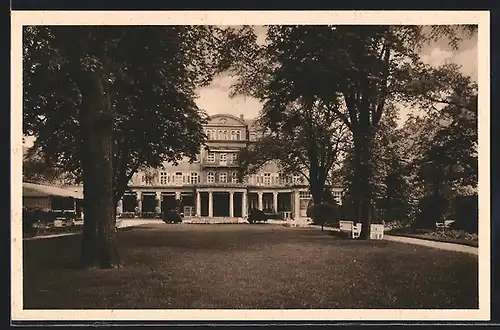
x,y
246,267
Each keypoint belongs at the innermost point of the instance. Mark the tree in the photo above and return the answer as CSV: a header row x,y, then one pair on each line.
x,y
105,101
37,168
449,163
355,71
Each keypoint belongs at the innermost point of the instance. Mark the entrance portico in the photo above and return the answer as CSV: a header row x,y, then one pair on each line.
x,y
220,202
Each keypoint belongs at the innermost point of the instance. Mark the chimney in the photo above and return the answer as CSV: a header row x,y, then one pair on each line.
x,y
242,117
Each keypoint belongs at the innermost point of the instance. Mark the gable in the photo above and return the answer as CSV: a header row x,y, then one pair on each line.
x,y
225,120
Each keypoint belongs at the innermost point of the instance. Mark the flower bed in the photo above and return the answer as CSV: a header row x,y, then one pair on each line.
x,y
443,235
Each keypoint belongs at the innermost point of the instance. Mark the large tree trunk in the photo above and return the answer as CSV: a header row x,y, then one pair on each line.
x,y
362,193
316,185
99,233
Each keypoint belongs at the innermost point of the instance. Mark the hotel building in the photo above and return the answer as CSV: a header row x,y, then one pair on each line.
x,y
209,188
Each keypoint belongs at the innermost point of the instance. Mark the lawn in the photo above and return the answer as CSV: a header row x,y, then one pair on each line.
x,y
246,267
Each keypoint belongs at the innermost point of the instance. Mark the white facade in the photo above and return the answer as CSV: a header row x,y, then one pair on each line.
x,y
209,187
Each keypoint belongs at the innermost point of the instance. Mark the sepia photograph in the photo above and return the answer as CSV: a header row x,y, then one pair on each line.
x,y
273,165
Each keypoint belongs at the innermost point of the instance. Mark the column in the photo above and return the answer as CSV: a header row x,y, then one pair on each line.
x,y
260,200
210,204
158,202
275,201
231,204
296,208
139,201
244,204
198,204
119,207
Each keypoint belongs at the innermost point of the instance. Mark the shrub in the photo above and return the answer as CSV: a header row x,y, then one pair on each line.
x,y
466,213
256,215
35,215
171,216
148,215
432,209
323,214
128,215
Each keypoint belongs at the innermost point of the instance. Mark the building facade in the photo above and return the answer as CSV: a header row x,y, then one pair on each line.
x,y
209,188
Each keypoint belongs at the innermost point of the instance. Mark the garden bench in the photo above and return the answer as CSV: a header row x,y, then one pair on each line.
x,y
445,224
376,231
59,222
354,230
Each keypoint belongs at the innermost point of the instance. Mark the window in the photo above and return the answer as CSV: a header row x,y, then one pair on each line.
x,y
235,135
234,156
211,134
219,135
223,177
210,177
267,179
194,178
234,177
163,177
253,136
281,178
223,157
211,157
148,178
297,179
178,178
225,135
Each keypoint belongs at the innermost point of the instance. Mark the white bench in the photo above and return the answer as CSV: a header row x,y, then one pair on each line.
x,y
445,224
354,230
59,223
376,231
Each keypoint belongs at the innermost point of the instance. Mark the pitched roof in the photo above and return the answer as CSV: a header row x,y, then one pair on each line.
x,y
37,190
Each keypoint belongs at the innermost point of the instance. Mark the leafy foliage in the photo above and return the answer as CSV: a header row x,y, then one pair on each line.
x,y
353,71
171,216
256,215
324,213
37,168
152,73
103,101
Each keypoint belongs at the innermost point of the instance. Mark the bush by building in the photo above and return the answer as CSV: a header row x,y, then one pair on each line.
x,y
256,215
171,216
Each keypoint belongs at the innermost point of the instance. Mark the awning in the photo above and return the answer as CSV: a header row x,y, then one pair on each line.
x,y
38,190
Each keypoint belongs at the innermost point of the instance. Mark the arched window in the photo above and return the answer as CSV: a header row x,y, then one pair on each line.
x,y
194,178
210,177
223,177
238,135
219,135
225,135
234,177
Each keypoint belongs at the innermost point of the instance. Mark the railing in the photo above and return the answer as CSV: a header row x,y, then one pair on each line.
x,y
227,163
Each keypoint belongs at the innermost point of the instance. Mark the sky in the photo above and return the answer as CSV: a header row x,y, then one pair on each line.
x,y
214,98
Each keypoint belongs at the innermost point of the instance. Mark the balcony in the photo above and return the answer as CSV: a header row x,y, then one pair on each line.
x,y
227,163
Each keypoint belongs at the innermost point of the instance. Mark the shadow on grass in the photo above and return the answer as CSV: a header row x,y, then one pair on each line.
x,y
339,235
